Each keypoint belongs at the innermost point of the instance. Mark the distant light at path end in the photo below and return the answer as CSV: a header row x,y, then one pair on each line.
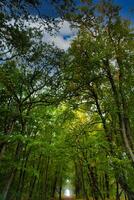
x,y
67,193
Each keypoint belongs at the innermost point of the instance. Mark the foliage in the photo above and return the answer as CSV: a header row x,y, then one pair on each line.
x,y
66,116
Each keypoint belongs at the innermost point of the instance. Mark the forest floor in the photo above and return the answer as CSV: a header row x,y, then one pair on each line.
x,y
68,198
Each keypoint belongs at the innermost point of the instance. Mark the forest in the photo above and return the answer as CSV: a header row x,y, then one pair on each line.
x,y
66,116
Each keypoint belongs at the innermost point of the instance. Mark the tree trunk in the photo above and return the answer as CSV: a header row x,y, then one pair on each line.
x,y
54,184
2,150
95,188
16,157
117,191
33,181
22,175
125,187
77,181
120,106
60,189
85,195
8,185
107,186
46,179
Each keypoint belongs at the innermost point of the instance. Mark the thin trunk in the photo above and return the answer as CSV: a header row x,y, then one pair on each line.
x,y
96,190
2,150
124,103
77,181
60,189
10,180
54,185
125,187
93,180
125,196
46,179
108,134
117,191
22,175
121,125
120,112
107,186
9,183
85,195
33,181
40,181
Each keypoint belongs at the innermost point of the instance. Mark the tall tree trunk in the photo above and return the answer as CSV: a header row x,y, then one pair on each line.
x,y
125,187
60,189
33,180
7,188
85,195
124,103
54,184
107,186
78,184
45,186
32,184
117,191
2,150
22,174
121,117
121,125
9,183
96,190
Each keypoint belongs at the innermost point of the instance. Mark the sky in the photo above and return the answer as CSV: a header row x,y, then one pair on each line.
x,y
64,36
127,8
125,4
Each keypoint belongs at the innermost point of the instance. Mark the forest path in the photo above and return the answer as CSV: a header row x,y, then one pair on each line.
x,y
68,198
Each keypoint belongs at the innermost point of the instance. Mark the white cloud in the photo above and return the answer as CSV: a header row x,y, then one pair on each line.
x,y
58,40
63,37
65,28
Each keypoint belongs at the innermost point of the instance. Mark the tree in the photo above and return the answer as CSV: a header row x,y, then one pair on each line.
x,y
100,59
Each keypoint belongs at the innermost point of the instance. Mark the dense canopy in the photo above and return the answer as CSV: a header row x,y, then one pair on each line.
x,y
66,117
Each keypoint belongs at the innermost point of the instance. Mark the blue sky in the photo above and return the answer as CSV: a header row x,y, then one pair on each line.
x,y
63,38
126,5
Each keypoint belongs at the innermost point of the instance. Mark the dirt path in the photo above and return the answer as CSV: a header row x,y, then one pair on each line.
x,y
68,198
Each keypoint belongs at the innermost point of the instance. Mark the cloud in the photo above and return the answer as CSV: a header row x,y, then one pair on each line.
x,y
58,40
62,39
65,28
